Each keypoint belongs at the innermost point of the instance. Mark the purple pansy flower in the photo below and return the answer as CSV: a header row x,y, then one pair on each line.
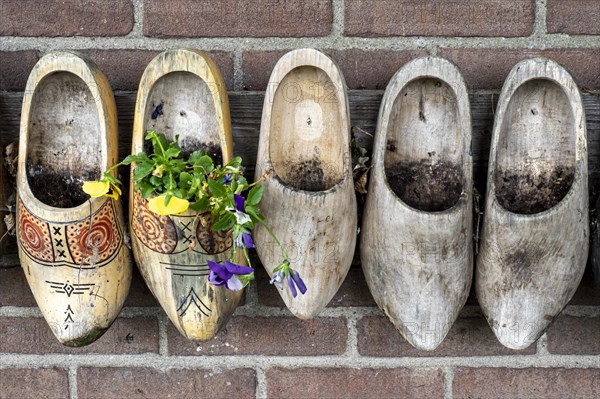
x,y
239,202
244,239
294,281
227,274
278,278
157,111
240,210
286,273
227,179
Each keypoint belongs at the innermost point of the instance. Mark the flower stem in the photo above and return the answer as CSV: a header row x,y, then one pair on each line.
x,y
246,256
285,256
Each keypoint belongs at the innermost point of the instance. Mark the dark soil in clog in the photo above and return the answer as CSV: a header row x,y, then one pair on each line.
x,y
56,189
530,193
307,175
425,186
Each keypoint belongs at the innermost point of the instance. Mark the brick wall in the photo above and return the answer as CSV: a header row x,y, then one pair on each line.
x,y
351,350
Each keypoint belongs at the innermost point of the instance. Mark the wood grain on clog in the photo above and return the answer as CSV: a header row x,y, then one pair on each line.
x,y
183,94
310,203
71,247
416,236
536,223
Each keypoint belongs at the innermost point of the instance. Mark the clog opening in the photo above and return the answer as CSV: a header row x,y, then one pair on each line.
x,y
64,146
424,146
535,157
307,140
182,104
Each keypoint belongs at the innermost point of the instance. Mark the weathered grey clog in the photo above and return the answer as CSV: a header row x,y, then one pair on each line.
x,y
416,237
535,228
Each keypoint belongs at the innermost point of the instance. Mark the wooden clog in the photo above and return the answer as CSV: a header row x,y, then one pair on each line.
x,y
416,236
4,188
182,93
71,248
310,203
595,251
535,229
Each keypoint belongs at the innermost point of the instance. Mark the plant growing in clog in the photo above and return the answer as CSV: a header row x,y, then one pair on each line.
x,y
173,183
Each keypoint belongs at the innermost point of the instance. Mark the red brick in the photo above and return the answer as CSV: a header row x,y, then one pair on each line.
x,y
570,335
14,290
269,336
493,383
355,383
257,66
134,383
66,18
370,18
362,69
32,335
51,383
469,336
353,292
576,17
488,68
124,68
232,18
15,67
371,69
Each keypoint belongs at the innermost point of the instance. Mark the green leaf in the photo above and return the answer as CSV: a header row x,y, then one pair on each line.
x,y
225,222
205,162
109,178
142,170
201,205
195,156
216,189
185,180
255,195
146,189
159,144
242,181
156,181
172,152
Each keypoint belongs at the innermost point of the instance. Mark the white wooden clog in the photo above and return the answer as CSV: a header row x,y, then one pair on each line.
x,y
310,203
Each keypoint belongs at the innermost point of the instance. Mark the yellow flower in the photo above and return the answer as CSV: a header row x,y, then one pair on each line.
x,y
174,207
96,188
115,191
100,188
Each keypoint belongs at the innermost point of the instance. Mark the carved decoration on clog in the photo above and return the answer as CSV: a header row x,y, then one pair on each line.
x,y
75,244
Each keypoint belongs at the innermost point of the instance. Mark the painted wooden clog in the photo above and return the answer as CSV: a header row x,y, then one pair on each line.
x,y
310,203
71,248
4,189
535,229
416,236
182,93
